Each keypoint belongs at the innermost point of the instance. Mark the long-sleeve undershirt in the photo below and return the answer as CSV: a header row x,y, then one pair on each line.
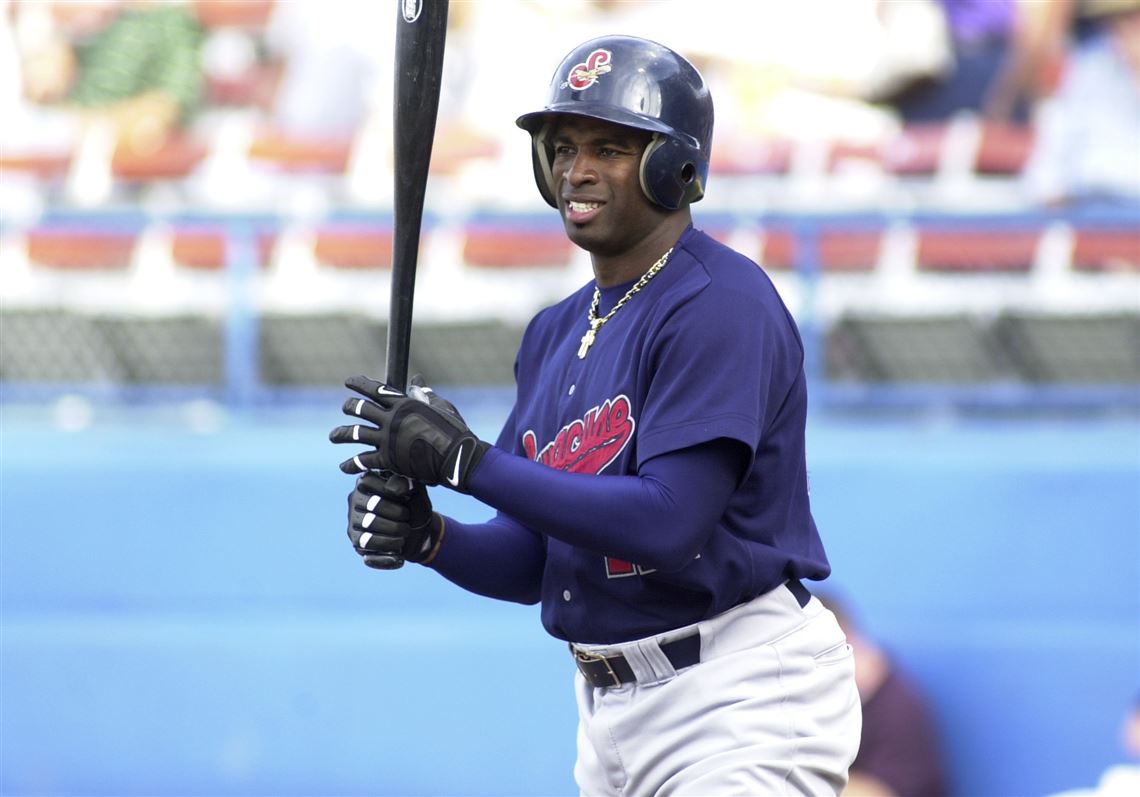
x,y
660,517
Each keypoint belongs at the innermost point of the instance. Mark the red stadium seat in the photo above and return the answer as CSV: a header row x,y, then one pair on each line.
x,y
456,145
915,151
841,154
247,14
204,248
1116,249
977,250
301,154
176,158
752,157
354,248
240,90
849,250
839,250
777,253
516,243
80,248
1003,149
45,165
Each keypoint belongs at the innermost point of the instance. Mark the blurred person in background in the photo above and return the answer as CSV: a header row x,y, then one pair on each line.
x,y
1087,146
1046,35
35,71
959,49
900,754
1119,780
910,62
330,66
134,64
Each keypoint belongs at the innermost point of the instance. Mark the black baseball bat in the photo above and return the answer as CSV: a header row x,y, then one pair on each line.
x,y
421,29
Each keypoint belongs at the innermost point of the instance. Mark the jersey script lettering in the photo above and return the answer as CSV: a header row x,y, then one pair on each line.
x,y
590,444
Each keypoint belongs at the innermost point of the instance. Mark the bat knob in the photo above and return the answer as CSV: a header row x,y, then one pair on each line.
x,y
381,562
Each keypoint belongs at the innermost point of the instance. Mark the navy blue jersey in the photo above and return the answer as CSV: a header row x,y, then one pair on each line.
x,y
706,350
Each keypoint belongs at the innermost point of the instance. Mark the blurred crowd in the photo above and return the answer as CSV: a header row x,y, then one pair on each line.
x,y
196,81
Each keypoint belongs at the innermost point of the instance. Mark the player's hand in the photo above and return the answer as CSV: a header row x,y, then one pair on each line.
x,y
426,441
390,520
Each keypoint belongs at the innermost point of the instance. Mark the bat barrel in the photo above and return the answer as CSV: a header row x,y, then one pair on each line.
x,y
421,30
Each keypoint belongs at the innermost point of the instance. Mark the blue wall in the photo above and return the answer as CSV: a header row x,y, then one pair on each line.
x,y
183,614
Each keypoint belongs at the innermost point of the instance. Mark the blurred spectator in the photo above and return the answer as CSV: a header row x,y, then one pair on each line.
x,y
35,68
927,60
948,54
983,33
912,50
1087,147
1044,33
1037,47
899,755
334,64
908,61
1119,780
132,63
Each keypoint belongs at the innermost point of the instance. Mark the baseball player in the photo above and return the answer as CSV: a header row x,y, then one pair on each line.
x,y
650,480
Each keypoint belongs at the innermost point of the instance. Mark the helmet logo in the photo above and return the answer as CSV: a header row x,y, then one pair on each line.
x,y
586,74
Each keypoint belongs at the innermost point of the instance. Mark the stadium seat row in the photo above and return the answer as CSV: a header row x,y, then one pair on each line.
x,y
491,241
965,144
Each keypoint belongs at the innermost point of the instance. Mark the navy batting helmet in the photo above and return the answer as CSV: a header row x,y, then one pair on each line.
x,y
637,83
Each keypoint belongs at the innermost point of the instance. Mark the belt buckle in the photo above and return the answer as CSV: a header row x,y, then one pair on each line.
x,y
582,657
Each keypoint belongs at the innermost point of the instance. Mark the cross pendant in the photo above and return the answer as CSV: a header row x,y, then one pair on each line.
x,y
587,342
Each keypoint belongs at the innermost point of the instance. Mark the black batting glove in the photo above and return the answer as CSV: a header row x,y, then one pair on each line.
x,y
390,520
425,441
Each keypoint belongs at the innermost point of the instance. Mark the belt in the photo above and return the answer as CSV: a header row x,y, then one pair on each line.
x,y
608,671
604,672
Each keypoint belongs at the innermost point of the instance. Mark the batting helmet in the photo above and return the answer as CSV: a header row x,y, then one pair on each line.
x,y
637,83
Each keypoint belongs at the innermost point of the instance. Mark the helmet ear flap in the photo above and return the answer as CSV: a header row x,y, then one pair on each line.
x,y
670,174
542,157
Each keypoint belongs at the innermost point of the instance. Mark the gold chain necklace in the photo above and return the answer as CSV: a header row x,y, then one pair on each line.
x,y
592,316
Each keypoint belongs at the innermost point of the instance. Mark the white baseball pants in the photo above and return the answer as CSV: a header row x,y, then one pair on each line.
x,y
771,709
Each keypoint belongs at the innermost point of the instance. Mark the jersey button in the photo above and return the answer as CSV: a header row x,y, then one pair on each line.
x,y
565,594
571,391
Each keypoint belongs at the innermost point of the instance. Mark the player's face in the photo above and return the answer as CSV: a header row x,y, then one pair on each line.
x,y
596,173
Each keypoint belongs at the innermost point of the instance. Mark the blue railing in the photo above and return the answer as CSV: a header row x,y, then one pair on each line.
x,y
241,385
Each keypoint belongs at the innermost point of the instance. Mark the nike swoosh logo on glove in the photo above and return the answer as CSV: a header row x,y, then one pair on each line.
x,y
453,479
384,390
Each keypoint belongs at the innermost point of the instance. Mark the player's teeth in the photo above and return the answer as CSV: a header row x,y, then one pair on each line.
x,y
582,207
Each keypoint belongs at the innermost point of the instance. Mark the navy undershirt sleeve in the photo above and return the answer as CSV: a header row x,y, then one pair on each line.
x,y
499,559
661,517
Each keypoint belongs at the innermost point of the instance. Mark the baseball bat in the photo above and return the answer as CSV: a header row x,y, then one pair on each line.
x,y
421,28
